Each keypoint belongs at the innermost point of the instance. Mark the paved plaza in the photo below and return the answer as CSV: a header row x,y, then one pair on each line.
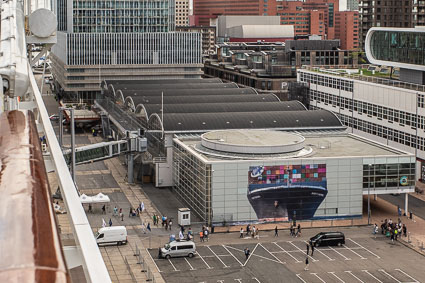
x,y
362,259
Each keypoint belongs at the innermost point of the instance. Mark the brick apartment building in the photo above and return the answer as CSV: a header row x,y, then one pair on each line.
x,y
318,17
347,29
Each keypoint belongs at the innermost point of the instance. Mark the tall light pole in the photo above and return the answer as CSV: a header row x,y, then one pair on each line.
x,y
368,196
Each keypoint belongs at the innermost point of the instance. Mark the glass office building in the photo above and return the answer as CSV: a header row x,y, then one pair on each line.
x,y
398,46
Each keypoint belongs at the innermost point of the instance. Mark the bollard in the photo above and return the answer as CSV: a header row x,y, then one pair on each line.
x,y
149,275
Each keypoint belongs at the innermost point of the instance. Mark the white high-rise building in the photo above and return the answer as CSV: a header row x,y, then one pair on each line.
x,y
120,40
388,111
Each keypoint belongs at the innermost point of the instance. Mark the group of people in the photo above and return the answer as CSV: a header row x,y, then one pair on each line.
x,y
90,209
295,231
253,231
166,223
391,229
117,212
204,234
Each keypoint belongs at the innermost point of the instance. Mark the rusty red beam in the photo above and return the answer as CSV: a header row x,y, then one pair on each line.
x,y
30,247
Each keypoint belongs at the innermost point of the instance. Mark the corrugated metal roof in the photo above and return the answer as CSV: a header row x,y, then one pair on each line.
x,y
225,107
163,86
199,122
166,81
205,99
188,92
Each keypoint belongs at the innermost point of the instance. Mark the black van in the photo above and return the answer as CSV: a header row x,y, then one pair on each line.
x,y
328,239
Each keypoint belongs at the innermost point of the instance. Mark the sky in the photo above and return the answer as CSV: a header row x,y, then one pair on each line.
x,y
342,5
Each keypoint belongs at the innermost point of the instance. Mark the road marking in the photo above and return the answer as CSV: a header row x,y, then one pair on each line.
x,y
217,257
362,257
354,276
299,276
389,275
315,274
256,279
175,269
191,267
407,275
314,260
372,276
153,260
319,250
250,255
287,252
232,255
333,273
346,258
209,267
260,256
272,254
363,247
239,280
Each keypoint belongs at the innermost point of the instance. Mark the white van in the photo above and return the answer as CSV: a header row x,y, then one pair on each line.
x,y
178,248
112,235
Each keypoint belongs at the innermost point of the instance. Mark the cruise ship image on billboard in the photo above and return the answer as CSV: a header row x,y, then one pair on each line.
x,y
286,192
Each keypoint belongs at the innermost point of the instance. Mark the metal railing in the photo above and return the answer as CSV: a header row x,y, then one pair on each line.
x,y
144,266
94,267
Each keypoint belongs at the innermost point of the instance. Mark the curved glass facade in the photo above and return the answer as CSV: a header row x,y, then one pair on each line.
x,y
398,46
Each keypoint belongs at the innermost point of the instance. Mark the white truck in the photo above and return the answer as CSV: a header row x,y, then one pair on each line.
x,y
112,235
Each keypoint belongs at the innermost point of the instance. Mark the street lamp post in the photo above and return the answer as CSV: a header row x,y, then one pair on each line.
x,y
368,197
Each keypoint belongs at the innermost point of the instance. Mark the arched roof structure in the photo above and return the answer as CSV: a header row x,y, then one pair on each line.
x,y
279,120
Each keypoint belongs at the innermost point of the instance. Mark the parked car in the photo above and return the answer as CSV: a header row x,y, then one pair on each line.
x,y
54,117
178,248
328,239
112,235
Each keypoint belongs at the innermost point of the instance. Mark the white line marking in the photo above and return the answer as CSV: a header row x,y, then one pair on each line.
x,y
315,274
263,257
407,275
362,257
354,276
372,276
256,279
209,267
363,247
314,260
175,269
232,255
389,275
272,254
346,258
299,276
217,257
317,250
191,267
239,280
333,273
250,255
287,252
153,260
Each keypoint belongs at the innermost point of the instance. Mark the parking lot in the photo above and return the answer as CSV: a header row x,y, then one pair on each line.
x,y
359,260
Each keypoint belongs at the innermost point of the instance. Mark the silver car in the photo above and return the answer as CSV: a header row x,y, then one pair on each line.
x,y
178,248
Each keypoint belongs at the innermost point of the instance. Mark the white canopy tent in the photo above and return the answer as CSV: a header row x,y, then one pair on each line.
x,y
99,198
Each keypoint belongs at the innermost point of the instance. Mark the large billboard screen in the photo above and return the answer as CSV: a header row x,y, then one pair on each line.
x,y
286,192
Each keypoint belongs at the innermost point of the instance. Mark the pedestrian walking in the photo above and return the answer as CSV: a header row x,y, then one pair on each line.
x,y
90,208
404,230
130,213
149,227
306,264
253,232
298,231
122,216
110,222
170,223
206,234
115,211
201,236
246,251
154,219
395,234
104,209
257,233
312,249
308,248
392,237
241,233
247,230
399,210
276,232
